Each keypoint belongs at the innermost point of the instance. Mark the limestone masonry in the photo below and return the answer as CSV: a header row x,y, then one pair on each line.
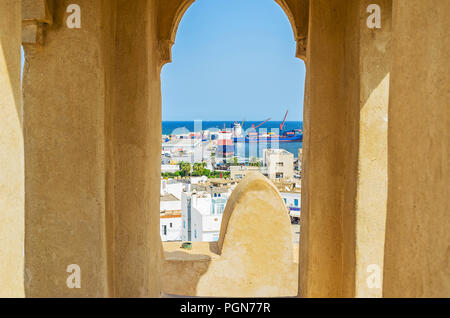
x,y
80,173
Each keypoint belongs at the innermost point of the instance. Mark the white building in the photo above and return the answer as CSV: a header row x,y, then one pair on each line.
x,y
174,187
170,218
187,150
201,216
198,180
239,172
186,145
170,210
169,168
279,163
293,203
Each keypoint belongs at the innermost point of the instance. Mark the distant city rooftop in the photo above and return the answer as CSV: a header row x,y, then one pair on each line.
x,y
278,151
169,197
182,143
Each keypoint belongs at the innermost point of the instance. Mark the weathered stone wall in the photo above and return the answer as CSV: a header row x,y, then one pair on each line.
x,y
345,115
65,92
371,193
417,255
92,128
11,153
136,151
325,108
92,125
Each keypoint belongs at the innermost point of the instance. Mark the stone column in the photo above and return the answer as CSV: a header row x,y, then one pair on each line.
x,y
65,95
417,255
136,149
371,194
93,137
327,144
344,183
11,153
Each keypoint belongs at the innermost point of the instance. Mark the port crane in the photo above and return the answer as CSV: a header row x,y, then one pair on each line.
x,y
284,121
253,125
293,135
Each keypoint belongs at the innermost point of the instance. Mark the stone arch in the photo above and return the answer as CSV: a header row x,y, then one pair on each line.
x,y
171,14
297,14
254,187
345,67
284,6
254,256
255,245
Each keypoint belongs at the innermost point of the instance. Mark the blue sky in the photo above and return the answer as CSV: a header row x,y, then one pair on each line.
x,y
233,60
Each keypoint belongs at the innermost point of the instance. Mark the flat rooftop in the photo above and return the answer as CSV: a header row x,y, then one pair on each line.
x,y
182,143
278,152
221,181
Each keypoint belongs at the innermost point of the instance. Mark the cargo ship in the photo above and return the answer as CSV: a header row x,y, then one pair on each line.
x,y
294,135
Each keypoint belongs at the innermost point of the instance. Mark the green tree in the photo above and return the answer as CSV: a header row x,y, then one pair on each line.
x,y
254,162
199,168
185,169
233,161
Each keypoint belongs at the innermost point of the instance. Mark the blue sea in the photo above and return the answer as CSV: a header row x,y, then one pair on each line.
x,y
182,127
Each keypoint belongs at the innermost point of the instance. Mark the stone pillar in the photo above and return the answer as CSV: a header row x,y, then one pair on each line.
x,y
65,95
326,104
11,153
371,195
137,151
344,179
417,255
92,127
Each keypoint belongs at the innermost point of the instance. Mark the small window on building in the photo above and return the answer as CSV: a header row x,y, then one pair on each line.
x,y
170,224
279,175
184,224
280,164
296,202
195,233
165,229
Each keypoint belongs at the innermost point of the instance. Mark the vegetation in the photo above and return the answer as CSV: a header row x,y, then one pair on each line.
x,y
254,162
216,174
198,170
185,169
233,162
171,174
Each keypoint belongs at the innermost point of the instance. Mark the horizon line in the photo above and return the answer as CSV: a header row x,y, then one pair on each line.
x,y
252,120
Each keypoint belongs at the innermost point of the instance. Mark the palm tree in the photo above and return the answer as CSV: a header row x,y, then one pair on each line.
x,y
185,168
